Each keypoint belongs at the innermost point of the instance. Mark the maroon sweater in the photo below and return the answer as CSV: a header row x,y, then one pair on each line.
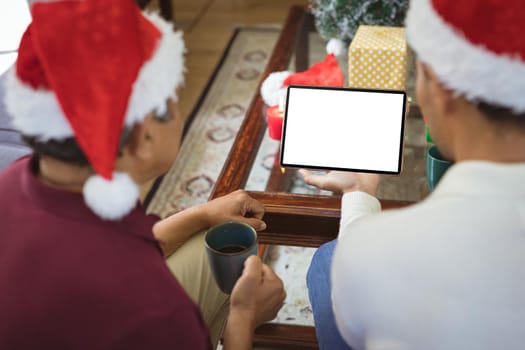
x,y
69,280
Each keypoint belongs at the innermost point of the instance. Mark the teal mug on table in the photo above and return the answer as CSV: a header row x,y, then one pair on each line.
x,y
436,167
228,245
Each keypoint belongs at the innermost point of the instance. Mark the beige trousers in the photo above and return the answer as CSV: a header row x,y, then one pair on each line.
x,y
190,266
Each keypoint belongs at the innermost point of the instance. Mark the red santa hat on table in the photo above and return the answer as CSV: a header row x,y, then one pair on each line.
x,y
325,73
476,48
86,69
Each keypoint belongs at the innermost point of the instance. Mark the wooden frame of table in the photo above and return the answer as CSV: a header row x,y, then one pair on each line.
x,y
292,219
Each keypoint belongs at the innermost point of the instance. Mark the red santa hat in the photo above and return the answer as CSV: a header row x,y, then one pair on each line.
x,y
325,73
476,48
86,69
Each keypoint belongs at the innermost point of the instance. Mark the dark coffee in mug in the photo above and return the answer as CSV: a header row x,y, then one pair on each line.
x,y
232,248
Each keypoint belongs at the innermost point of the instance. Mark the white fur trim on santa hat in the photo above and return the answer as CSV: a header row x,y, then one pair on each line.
x,y
272,87
335,47
111,199
160,76
37,112
469,70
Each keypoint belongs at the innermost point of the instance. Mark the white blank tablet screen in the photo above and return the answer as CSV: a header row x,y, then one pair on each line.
x,y
345,129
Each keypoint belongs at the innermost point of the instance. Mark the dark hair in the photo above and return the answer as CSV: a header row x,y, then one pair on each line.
x,y
66,150
69,151
502,116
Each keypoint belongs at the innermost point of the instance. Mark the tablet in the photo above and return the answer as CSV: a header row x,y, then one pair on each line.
x,y
350,129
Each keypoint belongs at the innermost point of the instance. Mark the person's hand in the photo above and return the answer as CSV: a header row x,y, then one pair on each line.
x,y
258,294
342,182
236,206
256,298
173,231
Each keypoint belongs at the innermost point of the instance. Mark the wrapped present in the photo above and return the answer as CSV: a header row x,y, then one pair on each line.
x,y
377,58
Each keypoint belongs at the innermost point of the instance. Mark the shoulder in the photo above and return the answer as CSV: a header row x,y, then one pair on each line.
x,y
13,171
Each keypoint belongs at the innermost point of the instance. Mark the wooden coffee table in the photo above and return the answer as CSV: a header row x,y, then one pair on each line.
x,y
299,219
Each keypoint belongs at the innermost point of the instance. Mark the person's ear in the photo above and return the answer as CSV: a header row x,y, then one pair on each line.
x,y
445,98
140,144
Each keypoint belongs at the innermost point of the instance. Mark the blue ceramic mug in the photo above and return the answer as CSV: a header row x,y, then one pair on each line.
x,y
228,245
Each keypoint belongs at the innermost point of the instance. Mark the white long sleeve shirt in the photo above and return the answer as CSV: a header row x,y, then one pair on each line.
x,y
447,273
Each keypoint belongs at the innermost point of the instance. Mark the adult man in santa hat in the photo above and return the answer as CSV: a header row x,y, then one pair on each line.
x,y
81,264
446,273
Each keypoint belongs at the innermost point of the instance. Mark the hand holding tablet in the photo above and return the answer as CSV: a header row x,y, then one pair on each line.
x,y
342,181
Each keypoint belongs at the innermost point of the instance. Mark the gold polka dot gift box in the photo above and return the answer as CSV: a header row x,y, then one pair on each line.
x,y
377,58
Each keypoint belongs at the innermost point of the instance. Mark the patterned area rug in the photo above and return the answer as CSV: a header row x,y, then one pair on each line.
x,y
214,124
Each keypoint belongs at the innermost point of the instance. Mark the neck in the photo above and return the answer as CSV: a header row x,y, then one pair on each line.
x,y
496,148
63,175
476,138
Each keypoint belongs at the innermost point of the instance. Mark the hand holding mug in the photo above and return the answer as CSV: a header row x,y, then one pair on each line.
x,y
236,206
256,298
259,293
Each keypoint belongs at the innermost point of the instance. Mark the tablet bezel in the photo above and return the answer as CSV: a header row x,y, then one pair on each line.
x,y
320,167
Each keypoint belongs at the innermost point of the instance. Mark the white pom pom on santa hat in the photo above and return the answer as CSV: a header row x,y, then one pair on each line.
x,y
335,47
272,87
325,73
111,199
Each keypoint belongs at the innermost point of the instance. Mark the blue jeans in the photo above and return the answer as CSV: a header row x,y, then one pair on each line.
x,y
319,290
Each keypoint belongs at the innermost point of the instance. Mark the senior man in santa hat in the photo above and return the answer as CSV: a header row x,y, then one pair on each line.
x,y
82,266
446,273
